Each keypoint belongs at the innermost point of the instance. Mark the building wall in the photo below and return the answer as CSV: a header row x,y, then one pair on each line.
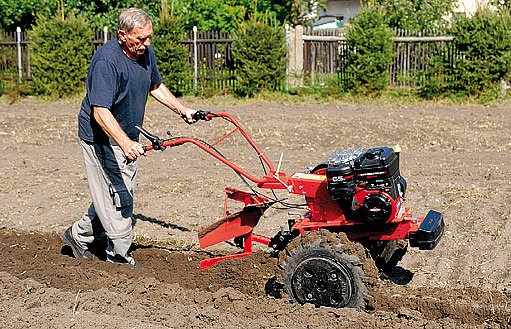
x,y
470,6
346,8
351,8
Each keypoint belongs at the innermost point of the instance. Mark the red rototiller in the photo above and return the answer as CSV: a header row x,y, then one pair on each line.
x,y
355,194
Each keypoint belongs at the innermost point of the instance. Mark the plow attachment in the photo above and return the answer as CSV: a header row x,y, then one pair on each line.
x,y
232,226
238,226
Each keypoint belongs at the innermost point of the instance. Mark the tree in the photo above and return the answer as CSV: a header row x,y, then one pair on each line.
x,y
98,13
207,15
370,52
501,4
260,53
23,13
60,55
212,14
485,42
304,12
416,14
223,15
172,56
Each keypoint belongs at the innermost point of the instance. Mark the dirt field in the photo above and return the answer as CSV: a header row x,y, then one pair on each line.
x,y
455,159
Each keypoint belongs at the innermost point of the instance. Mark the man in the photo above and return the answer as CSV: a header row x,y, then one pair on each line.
x,y
121,75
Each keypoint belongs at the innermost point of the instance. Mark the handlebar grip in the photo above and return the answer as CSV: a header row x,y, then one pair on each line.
x,y
201,115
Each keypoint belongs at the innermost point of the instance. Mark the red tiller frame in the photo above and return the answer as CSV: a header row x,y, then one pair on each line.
x,y
267,181
323,212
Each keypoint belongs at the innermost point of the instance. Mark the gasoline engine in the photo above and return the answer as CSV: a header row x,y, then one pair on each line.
x,y
367,185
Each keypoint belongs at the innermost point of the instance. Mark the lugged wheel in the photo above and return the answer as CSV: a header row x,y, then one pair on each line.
x,y
326,269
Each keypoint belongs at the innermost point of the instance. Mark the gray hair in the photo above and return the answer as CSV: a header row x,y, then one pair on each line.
x,y
132,17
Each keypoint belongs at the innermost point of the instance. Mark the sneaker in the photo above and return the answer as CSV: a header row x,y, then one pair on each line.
x,y
122,260
78,251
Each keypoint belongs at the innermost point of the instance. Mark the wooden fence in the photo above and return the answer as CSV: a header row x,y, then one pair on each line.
x,y
9,54
324,56
211,58
414,50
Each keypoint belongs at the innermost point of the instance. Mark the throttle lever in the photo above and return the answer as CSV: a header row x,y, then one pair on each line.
x,y
156,141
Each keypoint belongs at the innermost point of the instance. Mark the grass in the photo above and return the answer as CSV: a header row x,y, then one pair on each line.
x,y
313,95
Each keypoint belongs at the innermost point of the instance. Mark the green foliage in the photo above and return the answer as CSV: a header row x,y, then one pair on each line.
x,y
172,56
98,13
304,12
2,86
212,15
370,52
438,82
60,55
501,4
207,15
485,43
481,62
259,49
222,15
22,13
417,14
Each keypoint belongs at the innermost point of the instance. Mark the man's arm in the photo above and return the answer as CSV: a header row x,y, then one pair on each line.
x,y
111,127
164,96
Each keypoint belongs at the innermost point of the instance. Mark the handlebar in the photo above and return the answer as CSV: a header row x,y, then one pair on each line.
x,y
158,143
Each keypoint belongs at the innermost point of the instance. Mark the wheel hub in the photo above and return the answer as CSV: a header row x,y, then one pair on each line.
x,y
323,282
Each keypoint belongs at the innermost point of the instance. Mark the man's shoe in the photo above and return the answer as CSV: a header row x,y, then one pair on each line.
x,y
78,251
121,260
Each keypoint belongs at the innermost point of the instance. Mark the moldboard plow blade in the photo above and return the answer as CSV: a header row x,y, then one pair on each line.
x,y
232,226
238,225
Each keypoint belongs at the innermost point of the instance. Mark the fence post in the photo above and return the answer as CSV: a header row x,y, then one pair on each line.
x,y
18,41
195,65
105,34
287,55
296,56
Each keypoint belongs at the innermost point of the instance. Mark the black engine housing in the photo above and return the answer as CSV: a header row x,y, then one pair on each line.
x,y
376,170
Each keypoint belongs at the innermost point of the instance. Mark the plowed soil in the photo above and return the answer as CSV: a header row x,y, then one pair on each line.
x,y
455,159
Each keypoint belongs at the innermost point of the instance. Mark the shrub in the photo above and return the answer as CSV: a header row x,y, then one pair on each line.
x,y
172,56
482,59
60,55
259,50
484,41
2,86
439,77
370,52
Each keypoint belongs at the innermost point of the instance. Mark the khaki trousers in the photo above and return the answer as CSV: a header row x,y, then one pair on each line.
x,y
112,180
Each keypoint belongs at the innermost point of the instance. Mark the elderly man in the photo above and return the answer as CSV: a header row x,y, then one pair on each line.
x,y
121,75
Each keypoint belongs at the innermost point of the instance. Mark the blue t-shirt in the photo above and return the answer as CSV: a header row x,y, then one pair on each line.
x,y
119,84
